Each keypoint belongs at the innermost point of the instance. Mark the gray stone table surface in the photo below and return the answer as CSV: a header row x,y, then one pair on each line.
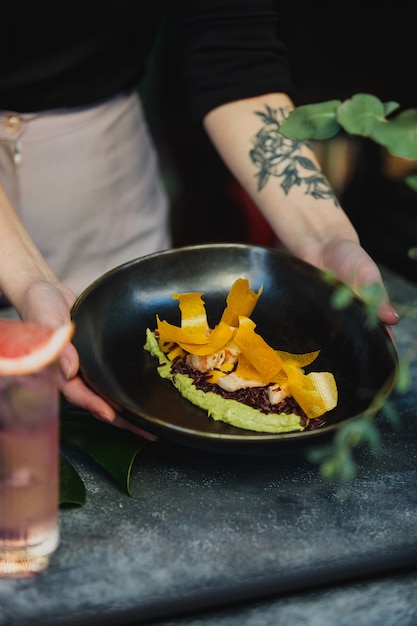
x,y
226,540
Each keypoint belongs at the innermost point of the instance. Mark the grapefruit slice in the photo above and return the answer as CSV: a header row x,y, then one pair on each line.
x,y
26,348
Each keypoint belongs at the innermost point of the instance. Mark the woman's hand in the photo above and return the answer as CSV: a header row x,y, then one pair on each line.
x,y
354,267
50,305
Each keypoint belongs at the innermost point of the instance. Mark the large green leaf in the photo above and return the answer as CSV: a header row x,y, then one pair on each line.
x,y
114,449
312,121
71,487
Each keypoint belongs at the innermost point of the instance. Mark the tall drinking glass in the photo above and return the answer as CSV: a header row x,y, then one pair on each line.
x,y
29,472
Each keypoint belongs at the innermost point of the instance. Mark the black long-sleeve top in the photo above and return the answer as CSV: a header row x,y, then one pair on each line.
x,y
74,53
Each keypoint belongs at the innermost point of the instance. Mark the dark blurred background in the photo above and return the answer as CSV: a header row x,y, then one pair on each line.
x,y
364,47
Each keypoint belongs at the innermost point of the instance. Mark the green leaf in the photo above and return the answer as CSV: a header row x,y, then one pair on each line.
x,y
398,135
373,297
114,449
372,294
391,414
71,487
403,377
312,121
411,181
390,107
341,297
412,253
353,433
359,114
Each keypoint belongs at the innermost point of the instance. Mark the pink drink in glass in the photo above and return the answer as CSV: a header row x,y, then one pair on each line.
x,y
29,472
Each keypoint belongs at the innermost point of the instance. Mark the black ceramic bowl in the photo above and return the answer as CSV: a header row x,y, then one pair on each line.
x,y
294,313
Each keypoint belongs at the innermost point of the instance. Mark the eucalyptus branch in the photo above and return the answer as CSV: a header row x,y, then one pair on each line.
x,y
336,460
364,115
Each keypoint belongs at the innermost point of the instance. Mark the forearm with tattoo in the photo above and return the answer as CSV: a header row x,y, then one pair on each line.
x,y
280,157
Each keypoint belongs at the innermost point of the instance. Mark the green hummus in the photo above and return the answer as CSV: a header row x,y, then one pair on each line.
x,y
218,408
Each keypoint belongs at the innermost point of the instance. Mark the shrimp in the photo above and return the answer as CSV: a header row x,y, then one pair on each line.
x,y
229,354
207,362
233,382
276,394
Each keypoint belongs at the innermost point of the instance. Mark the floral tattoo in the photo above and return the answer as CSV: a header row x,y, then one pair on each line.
x,y
278,156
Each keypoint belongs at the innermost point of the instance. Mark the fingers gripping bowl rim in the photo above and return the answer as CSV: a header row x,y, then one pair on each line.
x,y
26,348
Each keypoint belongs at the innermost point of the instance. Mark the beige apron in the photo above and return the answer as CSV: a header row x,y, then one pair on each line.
x,y
87,186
